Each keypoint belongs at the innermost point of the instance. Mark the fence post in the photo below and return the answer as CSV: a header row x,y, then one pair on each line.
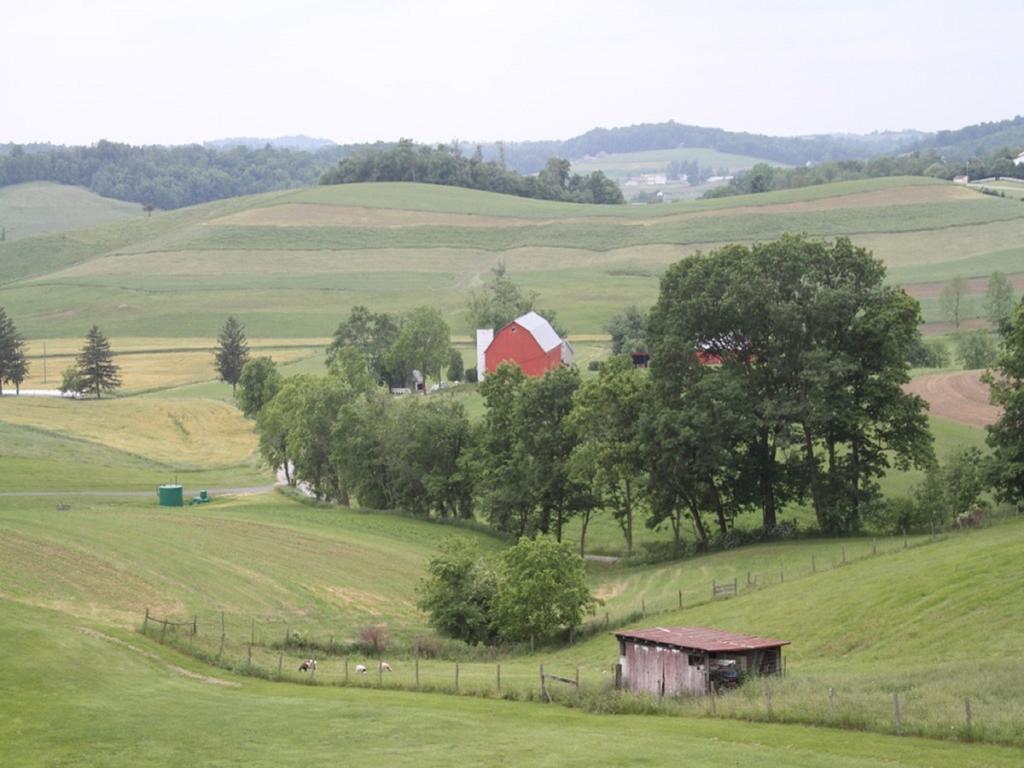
x,y
768,696
749,581
680,598
543,688
735,588
831,704
714,588
711,698
417,671
844,553
618,676
330,646
874,547
643,608
252,639
499,678
346,670
163,631
280,661
967,714
607,621
897,719
456,677
195,625
223,635
577,678
145,622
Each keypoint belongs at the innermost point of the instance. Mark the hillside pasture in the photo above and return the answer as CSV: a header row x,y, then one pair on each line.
x,y
127,702
41,207
292,264
622,165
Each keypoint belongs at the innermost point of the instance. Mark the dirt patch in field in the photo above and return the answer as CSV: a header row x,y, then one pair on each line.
x,y
316,215
207,679
960,396
611,590
975,286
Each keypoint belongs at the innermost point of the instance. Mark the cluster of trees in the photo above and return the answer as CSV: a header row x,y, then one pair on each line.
x,y
445,164
395,346
765,178
166,177
529,591
1006,436
13,362
955,302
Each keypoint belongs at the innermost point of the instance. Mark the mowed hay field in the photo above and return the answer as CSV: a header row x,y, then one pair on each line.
x,y
292,264
200,433
155,363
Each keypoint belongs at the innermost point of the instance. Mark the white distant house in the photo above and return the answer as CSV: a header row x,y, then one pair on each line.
x,y
962,179
1019,159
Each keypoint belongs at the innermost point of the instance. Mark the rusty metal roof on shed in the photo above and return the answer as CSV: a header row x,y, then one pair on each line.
x,y
701,638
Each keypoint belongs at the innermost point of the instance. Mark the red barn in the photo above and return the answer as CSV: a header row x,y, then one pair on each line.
x,y
528,341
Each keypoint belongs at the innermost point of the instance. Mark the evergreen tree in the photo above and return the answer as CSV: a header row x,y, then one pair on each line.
x,y
13,363
232,353
96,369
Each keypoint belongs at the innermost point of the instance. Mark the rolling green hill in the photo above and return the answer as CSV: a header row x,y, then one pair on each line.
x,y
290,264
37,208
936,622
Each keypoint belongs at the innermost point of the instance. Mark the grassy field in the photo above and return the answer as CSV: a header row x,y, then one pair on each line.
x,y
37,208
120,701
878,624
292,264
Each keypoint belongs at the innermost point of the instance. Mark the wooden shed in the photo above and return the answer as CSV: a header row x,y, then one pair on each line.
x,y
669,661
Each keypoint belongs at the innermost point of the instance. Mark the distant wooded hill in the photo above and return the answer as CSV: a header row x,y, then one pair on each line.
x,y
172,177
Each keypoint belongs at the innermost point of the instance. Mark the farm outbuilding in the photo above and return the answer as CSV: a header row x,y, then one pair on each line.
x,y
669,661
529,341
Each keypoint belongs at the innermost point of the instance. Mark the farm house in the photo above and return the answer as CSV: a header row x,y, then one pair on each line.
x,y
669,661
529,341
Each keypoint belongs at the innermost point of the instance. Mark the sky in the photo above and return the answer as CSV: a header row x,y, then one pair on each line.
x,y
185,71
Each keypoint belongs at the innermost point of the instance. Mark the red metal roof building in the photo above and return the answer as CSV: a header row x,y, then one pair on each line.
x,y
669,661
528,341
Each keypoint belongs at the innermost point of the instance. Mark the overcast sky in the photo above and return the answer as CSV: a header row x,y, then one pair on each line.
x,y
184,71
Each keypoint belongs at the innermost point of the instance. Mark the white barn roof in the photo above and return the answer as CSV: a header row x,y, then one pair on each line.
x,y
540,329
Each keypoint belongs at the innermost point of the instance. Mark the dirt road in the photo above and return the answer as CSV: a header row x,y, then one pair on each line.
x,y
958,396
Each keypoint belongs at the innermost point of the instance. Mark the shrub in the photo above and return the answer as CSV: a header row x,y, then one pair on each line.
x,y
900,513
456,368
930,353
373,639
594,365
471,376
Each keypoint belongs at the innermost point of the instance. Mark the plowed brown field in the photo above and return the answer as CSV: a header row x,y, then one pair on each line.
x,y
959,396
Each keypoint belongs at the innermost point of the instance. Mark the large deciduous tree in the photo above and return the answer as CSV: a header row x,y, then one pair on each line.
x,y
542,588
423,344
608,458
807,397
259,382
372,334
1006,436
232,352
97,372
953,301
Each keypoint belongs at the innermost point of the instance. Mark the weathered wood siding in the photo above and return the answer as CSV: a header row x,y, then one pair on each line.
x,y
660,670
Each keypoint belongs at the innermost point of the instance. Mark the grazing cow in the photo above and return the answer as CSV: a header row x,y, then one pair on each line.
x,y
360,669
385,667
309,665
970,519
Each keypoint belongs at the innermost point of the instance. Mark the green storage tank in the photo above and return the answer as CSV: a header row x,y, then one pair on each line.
x,y
171,496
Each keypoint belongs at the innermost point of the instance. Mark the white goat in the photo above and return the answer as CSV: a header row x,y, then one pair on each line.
x,y
360,669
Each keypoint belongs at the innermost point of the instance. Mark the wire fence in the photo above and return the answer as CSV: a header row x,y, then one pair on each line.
x,y
272,649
